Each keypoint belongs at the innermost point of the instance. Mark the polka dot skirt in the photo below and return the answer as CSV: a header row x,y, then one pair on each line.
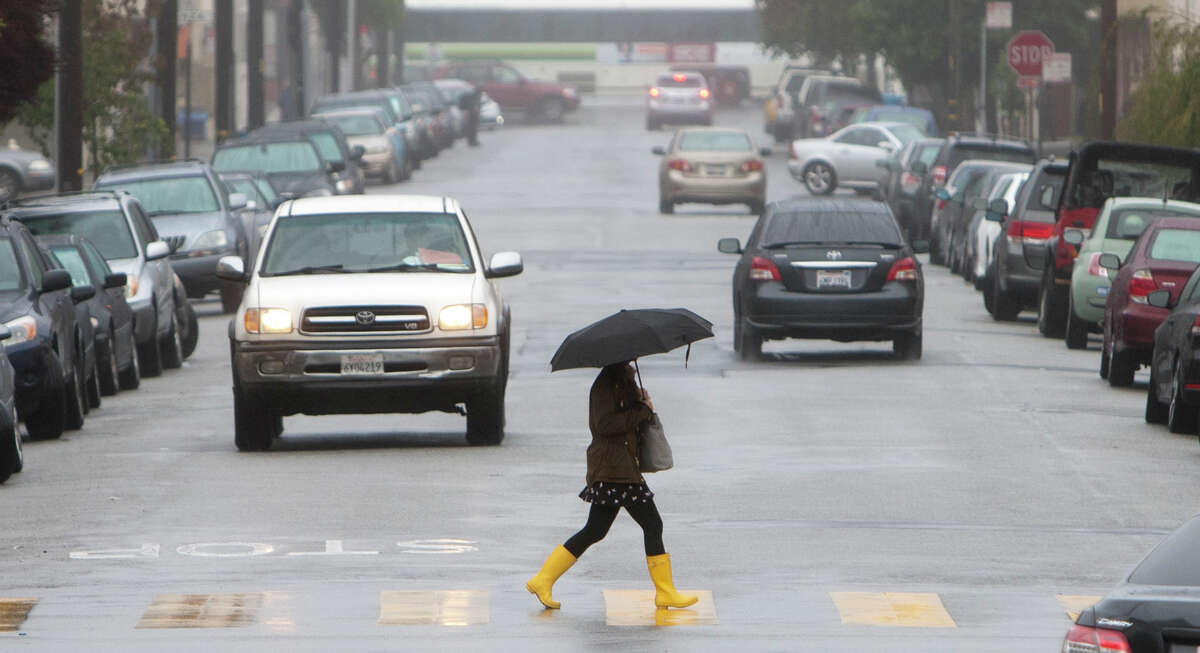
x,y
616,494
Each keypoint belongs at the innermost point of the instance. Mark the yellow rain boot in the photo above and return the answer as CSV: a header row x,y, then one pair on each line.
x,y
665,595
556,565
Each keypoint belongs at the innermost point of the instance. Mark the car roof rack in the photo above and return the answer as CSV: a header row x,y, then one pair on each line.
x,y
155,162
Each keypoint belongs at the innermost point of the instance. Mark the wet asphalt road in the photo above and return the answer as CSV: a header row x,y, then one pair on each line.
x,y
829,497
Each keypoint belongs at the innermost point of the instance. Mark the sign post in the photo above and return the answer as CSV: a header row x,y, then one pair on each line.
x,y
999,16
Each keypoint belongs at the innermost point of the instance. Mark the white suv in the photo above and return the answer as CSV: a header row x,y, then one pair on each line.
x,y
369,304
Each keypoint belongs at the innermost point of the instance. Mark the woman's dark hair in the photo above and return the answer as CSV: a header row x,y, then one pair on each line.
x,y
616,375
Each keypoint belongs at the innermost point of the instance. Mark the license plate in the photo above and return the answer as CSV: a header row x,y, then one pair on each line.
x,y
1183,648
362,364
714,170
833,279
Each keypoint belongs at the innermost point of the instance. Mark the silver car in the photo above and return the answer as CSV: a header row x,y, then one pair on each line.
x,y
679,98
848,157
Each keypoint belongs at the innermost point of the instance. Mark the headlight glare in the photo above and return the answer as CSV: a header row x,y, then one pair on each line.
x,y
463,316
267,320
23,329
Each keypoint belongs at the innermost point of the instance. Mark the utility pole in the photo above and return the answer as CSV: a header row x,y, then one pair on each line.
x,y
166,36
69,97
255,110
356,49
296,48
225,122
383,56
1108,68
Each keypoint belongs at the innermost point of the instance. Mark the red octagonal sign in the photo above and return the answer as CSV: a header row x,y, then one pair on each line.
x,y
1027,51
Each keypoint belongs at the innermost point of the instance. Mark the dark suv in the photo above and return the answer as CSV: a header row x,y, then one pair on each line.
x,y
1020,249
46,349
956,149
196,215
513,91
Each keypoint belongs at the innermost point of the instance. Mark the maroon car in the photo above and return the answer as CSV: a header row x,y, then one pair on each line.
x,y
513,91
1162,259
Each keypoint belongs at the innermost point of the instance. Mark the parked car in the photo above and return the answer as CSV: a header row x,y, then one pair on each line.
x,y
81,293
962,231
954,200
956,149
453,90
12,457
1173,394
290,162
922,119
729,84
780,107
1098,171
902,181
369,129
679,98
832,269
441,108
821,99
107,311
985,231
389,100
1120,223
711,165
428,118
404,270
513,91
1155,609
118,225
23,171
46,347
1163,258
848,157
261,201
333,145
196,215
1026,224
490,116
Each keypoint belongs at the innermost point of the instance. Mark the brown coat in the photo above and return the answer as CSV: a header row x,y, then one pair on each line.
x,y
615,411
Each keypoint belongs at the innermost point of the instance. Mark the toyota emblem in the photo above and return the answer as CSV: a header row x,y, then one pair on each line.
x,y
364,318
833,255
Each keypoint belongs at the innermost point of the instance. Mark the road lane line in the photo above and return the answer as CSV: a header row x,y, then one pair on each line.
x,y
434,608
1076,603
14,612
201,611
907,609
636,608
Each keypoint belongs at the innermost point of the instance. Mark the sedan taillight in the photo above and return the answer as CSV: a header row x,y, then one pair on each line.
x,y
680,165
1140,285
939,175
753,165
762,269
1094,268
903,270
1085,639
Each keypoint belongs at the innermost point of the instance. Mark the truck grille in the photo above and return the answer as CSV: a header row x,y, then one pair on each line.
x,y
365,319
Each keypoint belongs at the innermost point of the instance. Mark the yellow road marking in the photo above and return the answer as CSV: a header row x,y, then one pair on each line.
x,y
438,608
201,611
636,608
909,609
1076,603
13,613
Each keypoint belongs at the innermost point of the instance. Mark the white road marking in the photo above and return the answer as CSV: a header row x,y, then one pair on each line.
x,y
147,551
333,548
248,549
438,546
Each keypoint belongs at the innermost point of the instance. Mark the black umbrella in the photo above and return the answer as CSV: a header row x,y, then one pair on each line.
x,y
629,335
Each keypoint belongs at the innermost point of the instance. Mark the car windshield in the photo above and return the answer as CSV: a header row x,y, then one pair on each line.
x,y
72,262
247,188
845,225
161,195
10,270
1176,245
1129,224
906,133
365,242
713,141
269,158
108,230
357,125
327,145
1173,562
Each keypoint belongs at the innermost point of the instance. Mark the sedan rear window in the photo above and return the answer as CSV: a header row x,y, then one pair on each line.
x,y
356,125
367,242
108,230
1129,225
269,158
1174,561
1176,245
844,225
713,142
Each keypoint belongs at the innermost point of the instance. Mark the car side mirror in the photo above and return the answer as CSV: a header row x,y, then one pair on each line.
x,y
919,168
231,268
505,264
54,280
156,250
115,280
729,246
238,201
5,332
658,150
82,293
1159,299
358,152
1108,261
1075,237
942,194
765,151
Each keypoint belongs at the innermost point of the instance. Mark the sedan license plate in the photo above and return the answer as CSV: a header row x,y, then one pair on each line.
x,y
362,364
714,171
833,279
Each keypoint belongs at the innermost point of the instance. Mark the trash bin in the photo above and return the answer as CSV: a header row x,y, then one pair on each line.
x,y
195,125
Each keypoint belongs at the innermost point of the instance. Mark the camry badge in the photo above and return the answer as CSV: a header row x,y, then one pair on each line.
x,y
365,318
833,255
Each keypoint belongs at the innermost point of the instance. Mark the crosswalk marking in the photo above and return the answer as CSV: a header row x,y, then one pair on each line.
x,y
201,611
435,608
1076,603
636,608
13,613
909,609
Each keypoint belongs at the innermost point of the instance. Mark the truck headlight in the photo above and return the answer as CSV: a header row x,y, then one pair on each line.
x,y
211,240
267,320
23,329
463,316
39,165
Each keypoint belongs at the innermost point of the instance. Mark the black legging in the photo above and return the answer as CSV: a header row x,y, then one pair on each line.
x,y
600,518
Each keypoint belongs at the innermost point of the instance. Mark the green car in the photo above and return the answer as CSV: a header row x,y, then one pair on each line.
x,y
1121,222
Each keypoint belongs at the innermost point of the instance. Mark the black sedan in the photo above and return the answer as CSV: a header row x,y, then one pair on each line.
x,y
1173,396
107,310
1157,607
831,269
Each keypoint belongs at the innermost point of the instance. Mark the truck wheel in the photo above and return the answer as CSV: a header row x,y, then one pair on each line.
x,y
253,427
485,417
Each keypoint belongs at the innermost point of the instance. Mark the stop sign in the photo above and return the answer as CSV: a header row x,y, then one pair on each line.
x,y
1027,51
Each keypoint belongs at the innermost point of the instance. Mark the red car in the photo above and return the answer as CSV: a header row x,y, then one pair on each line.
x,y
513,91
1162,259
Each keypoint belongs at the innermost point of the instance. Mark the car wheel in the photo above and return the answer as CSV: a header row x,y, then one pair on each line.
x,y
1181,418
231,296
665,206
552,110
1076,331
1156,411
1004,307
1050,318
935,250
189,328
76,407
172,346
93,384
485,417
406,171
10,185
1120,368
150,355
749,342
12,459
989,299
50,420
908,346
131,376
820,179
651,124
1104,359
109,372
783,133
253,426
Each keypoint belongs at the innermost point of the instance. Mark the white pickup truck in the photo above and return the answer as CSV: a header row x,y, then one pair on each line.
x,y
369,304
